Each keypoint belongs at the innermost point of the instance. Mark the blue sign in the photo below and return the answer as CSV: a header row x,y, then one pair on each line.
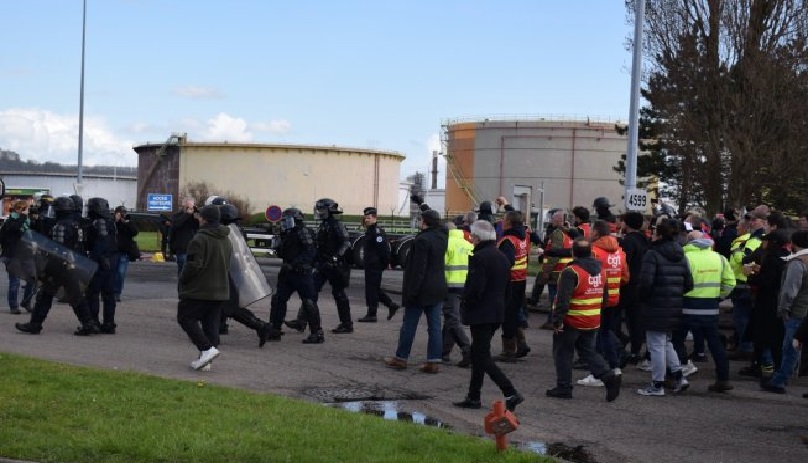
x,y
156,202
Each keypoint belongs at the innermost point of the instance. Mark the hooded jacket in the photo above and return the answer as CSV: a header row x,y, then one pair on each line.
x,y
664,278
423,283
205,276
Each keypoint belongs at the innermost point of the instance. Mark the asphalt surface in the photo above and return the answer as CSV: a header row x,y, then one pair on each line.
x,y
744,425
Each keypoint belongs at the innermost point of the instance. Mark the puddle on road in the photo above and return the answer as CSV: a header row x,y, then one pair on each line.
x,y
389,410
575,454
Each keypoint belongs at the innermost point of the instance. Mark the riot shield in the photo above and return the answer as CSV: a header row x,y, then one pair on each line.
x,y
245,271
51,264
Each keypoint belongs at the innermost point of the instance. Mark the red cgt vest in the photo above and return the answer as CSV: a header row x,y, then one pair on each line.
x,y
584,312
611,262
519,271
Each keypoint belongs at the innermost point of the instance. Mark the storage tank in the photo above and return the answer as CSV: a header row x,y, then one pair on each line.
x,y
267,174
571,160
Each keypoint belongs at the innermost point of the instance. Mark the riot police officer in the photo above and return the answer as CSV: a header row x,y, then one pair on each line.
x,y
332,245
297,252
60,269
602,206
229,216
376,258
44,221
102,248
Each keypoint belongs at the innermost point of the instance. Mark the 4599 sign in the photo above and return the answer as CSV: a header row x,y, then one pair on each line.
x,y
637,200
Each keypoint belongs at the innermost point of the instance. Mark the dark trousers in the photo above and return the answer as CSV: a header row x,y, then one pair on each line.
x,y
373,291
583,342
707,327
336,277
200,321
513,306
631,312
290,283
482,363
103,283
607,342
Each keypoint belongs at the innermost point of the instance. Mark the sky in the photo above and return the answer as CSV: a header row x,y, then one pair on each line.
x,y
367,74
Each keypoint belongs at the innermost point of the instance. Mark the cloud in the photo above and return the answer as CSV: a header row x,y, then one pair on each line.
x,y
225,127
44,136
278,126
197,92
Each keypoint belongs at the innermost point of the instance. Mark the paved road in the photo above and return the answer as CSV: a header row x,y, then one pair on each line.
x,y
746,425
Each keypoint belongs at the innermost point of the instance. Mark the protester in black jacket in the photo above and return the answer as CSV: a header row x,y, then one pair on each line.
x,y
635,244
664,278
424,288
482,308
11,233
184,226
125,232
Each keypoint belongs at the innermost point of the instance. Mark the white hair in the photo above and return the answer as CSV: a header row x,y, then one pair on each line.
x,y
483,230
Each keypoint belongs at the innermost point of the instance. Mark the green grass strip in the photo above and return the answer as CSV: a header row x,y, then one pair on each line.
x,y
52,412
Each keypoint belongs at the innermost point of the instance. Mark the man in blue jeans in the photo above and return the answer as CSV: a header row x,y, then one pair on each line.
x,y
424,289
792,308
713,280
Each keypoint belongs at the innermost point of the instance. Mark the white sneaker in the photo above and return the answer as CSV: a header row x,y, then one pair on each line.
x,y
207,367
616,371
681,386
689,369
689,336
205,358
590,381
645,365
652,391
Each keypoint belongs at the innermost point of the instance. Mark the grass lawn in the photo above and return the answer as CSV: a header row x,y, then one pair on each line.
x,y
51,412
148,241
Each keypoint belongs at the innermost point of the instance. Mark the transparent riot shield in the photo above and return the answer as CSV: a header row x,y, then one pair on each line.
x,y
245,271
51,264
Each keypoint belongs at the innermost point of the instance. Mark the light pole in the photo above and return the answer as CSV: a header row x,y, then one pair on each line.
x,y
79,185
632,140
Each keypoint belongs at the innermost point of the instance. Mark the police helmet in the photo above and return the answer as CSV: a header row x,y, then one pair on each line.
x,y
228,214
63,204
45,202
98,206
291,217
325,207
601,203
78,203
216,201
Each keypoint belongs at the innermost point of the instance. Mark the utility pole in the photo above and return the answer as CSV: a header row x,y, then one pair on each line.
x,y
79,186
634,96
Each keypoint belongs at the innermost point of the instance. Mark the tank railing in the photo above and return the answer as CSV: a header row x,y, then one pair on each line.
x,y
569,118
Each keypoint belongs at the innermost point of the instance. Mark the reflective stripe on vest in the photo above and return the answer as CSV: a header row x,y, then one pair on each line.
x,y
519,271
456,259
567,243
584,312
611,262
706,269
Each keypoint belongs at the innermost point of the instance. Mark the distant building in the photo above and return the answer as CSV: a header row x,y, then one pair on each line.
x,y
269,174
25,180
572,161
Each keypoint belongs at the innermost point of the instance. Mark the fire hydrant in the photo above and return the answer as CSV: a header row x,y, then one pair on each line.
x,y
500,422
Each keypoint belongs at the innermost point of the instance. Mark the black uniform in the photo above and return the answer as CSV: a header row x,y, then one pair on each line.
x,y
102,247
376,251
332,245
297,252
55,272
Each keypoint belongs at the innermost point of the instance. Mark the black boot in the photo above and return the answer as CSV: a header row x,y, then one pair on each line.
x,y
315,338
107,328
466,360
268,333
392,309
369,317
31,328
88,328
297,325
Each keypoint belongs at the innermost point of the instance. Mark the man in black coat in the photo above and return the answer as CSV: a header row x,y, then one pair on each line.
x,y
483,306
635,244
184,226
424,288
376,259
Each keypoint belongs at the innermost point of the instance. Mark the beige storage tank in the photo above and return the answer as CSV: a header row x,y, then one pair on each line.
x,y
283,175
